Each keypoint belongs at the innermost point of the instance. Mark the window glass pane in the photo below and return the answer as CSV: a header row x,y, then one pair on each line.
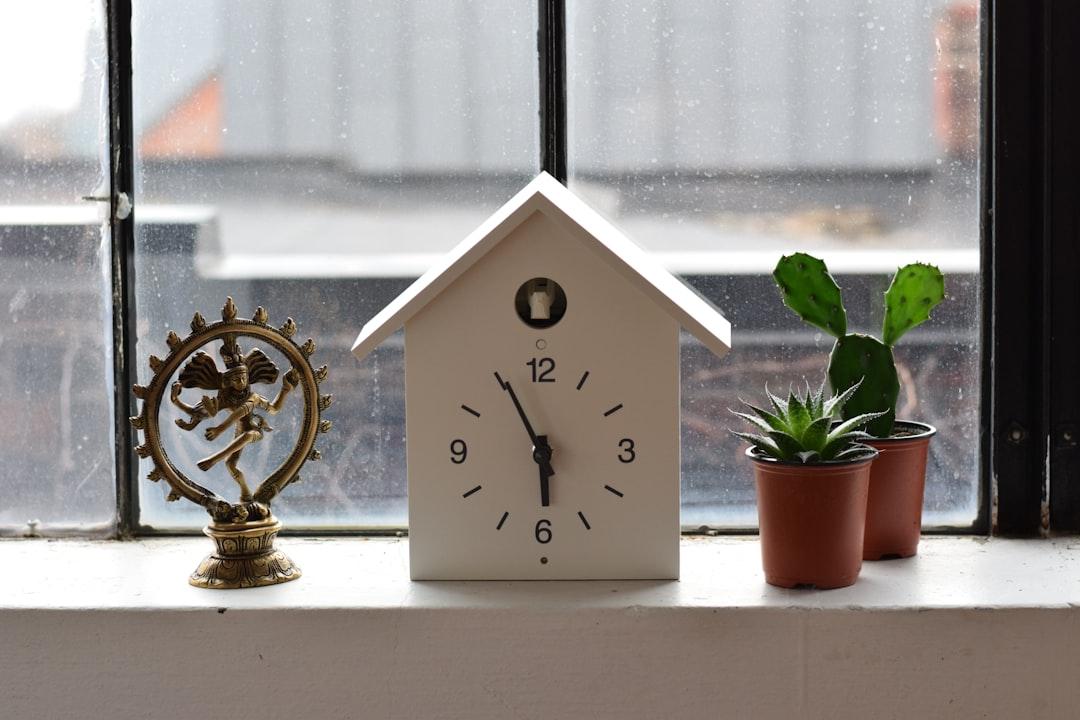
x,y
56,417
314,158
723,134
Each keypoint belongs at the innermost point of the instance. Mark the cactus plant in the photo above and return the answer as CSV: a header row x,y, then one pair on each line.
x,y
857,359
801,428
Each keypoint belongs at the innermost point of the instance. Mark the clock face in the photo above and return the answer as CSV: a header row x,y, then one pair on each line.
x,y
548,467
557,459
542,449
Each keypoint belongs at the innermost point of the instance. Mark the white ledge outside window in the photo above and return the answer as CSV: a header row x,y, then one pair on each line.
x,y
969,628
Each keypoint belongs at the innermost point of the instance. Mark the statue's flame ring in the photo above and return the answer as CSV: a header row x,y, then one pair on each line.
x,y
159,387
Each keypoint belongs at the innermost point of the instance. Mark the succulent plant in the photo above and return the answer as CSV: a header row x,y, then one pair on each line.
x,y
801,428
856,359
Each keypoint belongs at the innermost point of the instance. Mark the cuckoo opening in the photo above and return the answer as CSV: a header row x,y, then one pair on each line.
x,y
540,302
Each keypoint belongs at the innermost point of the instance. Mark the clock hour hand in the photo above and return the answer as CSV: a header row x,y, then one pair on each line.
x,y
542,456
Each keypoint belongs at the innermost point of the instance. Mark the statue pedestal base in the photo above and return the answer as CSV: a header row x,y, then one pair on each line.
x,y
245,557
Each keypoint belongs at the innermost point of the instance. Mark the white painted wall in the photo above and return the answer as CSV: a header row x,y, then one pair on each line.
x,y
572,664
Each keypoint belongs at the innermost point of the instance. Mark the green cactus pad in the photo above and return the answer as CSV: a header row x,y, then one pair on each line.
x,y
916,289
807,288
861,356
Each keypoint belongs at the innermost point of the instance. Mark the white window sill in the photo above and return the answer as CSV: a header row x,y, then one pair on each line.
x,y
365,573
970,628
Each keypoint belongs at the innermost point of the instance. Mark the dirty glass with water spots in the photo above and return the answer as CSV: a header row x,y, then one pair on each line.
x,y
722,135
56,371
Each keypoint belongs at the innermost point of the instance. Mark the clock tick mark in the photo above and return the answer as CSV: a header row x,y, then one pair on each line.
x,y
502,520
470,492
469,410
606,487
613,410
584,377
584,521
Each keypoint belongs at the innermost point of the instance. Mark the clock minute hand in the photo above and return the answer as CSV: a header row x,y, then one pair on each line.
x,y
520,410
541,449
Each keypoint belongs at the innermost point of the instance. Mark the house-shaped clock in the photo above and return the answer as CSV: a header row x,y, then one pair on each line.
x,y
542,398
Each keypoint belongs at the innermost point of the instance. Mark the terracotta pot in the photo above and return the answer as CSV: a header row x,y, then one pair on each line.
x,y
811,519
894,510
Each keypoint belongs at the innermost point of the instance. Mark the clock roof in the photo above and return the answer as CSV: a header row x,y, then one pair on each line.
x,y
547,195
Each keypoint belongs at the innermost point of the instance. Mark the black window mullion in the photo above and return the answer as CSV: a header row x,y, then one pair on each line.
x,y
551,51
122,219
1061,56
1019,308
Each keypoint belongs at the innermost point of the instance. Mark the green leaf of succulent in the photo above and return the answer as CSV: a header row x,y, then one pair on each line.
x,y
834,448
798,415
779,405
774,422
846,434
851,426
763,444
755,421
915,290
817,407
788,445
837,402
807,288
816,434
850,453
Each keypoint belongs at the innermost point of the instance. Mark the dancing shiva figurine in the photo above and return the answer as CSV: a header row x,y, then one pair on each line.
x,y
234,396
243,531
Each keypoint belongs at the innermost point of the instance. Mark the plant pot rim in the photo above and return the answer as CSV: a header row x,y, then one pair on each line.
x,y
921,431
869,453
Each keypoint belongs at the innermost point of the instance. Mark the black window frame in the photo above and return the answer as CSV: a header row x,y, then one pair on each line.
x,y
1030,324
1029,430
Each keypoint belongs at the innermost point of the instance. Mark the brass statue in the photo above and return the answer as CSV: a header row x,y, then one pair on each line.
x,y
234,395
244,531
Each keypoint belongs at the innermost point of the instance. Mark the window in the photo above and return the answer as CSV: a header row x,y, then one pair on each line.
x,y
56,426
314,158
722,135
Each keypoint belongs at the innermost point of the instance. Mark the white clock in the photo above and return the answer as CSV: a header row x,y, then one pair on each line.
x,y
542,399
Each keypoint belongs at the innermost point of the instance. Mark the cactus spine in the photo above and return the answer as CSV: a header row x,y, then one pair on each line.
x,y
856,359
